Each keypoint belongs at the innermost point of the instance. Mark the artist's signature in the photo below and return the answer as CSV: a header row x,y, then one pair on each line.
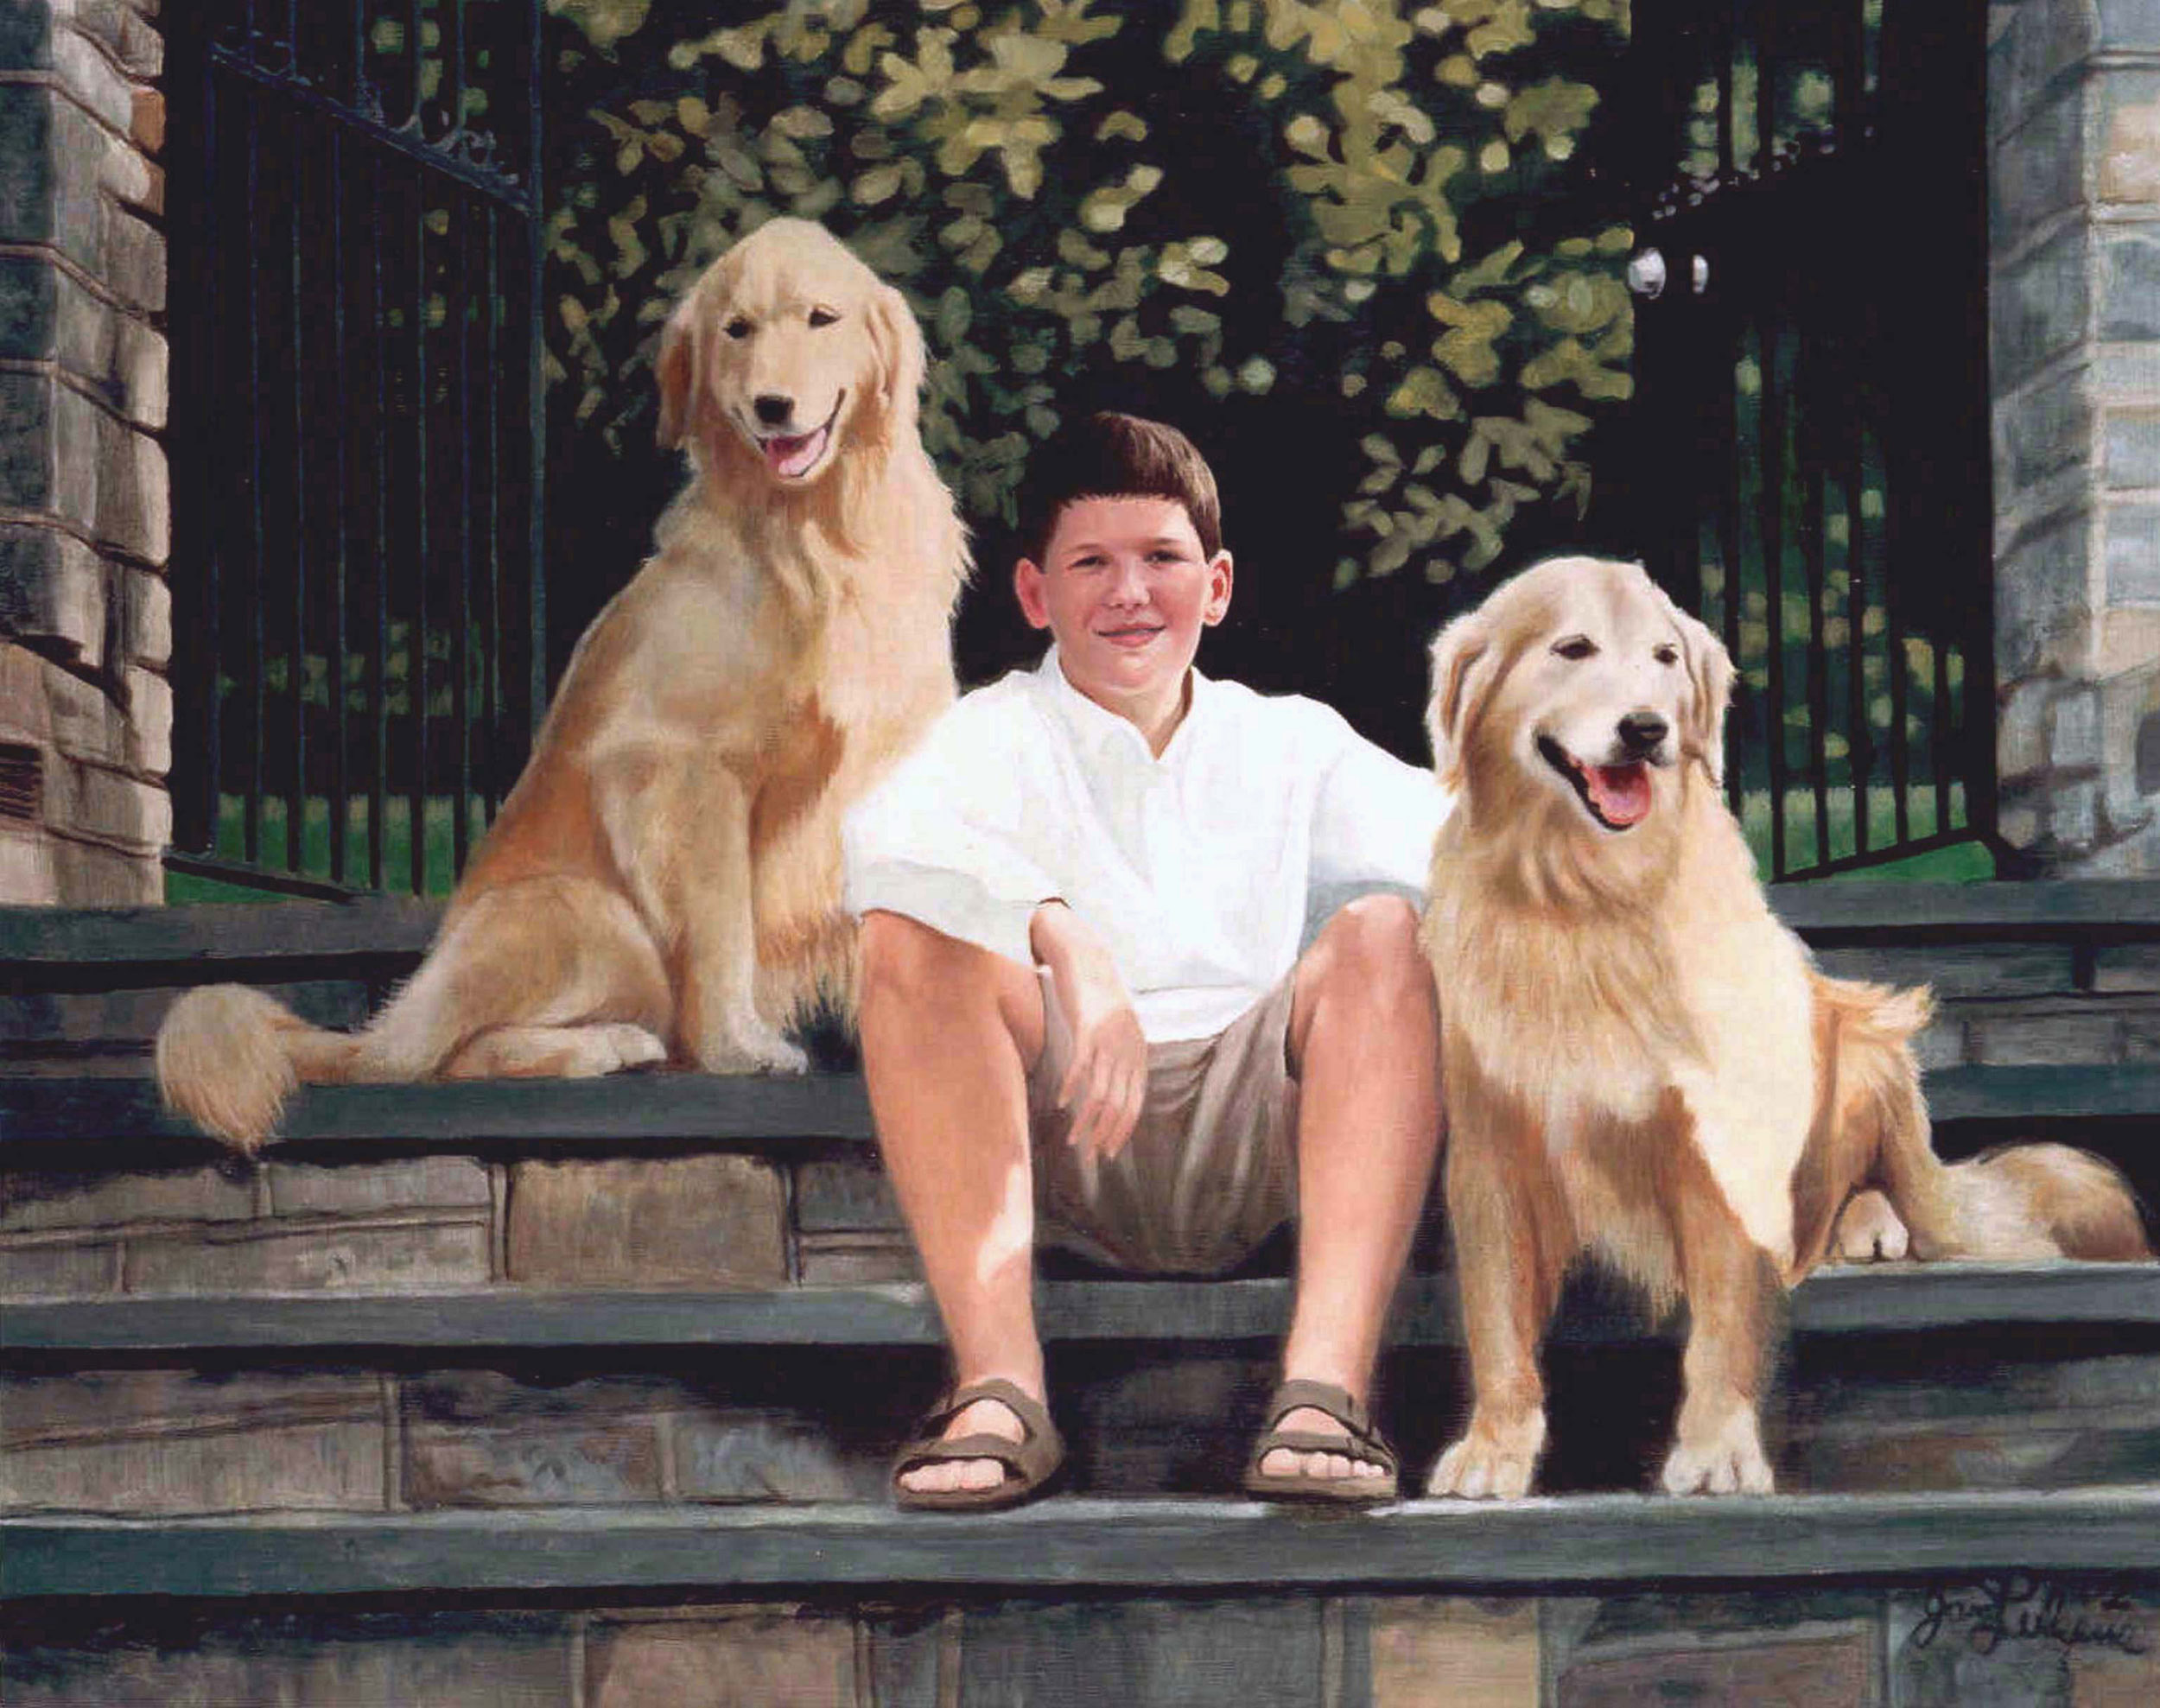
x,y
2024,1608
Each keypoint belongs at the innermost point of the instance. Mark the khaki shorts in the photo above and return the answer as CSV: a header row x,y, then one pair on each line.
x,y
1210,1169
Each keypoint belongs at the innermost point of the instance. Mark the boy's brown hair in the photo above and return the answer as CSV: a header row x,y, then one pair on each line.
x,y
1108,455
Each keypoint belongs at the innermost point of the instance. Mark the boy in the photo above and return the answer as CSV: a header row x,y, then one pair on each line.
x,y
1082,901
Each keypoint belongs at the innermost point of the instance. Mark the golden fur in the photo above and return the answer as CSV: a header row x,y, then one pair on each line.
x,y
664,878
1638,1060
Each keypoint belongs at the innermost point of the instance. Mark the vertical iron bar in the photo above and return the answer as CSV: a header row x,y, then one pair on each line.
x,y
1721,47
1856,603
1770,447
1900,744
1848,58
360,55
496,783
424,567
1730,339
536,371
252,813
378,782
414,21
342,428
457,57
296,801
461,652
1765,93
1811,411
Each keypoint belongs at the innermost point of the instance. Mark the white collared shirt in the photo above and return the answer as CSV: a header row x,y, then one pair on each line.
x,y
1203,871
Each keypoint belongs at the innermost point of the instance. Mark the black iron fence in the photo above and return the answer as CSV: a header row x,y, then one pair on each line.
x,y
1813,454
357,429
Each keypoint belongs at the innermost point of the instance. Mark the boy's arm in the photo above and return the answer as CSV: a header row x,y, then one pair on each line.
x,y
1373,820
1109,1073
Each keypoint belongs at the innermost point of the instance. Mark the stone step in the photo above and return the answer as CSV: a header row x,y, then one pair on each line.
x,y
1840,1300
1071,1545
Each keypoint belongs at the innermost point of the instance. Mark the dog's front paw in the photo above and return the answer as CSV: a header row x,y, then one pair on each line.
x,y
761,1051
1724,1460
1492,1462
1869,1231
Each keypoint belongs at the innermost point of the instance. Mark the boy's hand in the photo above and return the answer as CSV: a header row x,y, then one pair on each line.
x,y
1108,1074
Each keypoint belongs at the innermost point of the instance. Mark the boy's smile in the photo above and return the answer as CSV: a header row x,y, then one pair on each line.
x,y
1125,590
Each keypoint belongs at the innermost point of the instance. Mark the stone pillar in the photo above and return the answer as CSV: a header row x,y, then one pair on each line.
x,y
2074,98
86,624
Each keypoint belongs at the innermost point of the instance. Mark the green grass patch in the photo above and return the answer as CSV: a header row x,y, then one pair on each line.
x,y
438,823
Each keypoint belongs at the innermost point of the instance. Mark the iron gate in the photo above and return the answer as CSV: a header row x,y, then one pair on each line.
x,y
1813,472
356,433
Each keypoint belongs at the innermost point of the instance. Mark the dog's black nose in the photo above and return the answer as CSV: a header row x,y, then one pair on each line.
x,y
774,411
1640,732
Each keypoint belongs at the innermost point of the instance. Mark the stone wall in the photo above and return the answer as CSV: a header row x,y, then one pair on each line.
x,y
1926,1644
2074,96
86,622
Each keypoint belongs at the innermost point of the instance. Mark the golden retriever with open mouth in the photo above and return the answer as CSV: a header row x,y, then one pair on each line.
x,y
1638,1060
664,882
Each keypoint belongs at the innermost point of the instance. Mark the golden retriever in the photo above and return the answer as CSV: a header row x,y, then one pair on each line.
x,y
664,882
1639,1061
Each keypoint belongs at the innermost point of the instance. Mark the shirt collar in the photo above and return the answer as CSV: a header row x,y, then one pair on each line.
x,y
1101,726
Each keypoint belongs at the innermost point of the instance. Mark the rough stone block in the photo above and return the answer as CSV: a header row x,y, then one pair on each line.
x,y
128,730
555,1461
2130,287
33,1201
1257,1653
163,1441
413,1253
2039,168
2002,1639
2130,24
2042,42
2126,966
840,1195
63,455
1825,1670
768,1456
2133,553
146,616
418,1183
689,1222
63,181
2045,1038
85,874
2074,728
2040,590
49,1270
1443,1648
92,80
2130,155
2130,448
52,587
122,31
856,1259
2039,310
777,1658
2074,814
503,1661
2034,969
107,807
46,314
2043,433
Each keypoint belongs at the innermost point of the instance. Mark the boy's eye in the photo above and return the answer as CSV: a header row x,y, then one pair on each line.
x,y
1576,646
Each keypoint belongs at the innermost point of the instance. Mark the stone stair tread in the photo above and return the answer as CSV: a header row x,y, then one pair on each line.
x,y
92,1116
1890,1298
1079,1544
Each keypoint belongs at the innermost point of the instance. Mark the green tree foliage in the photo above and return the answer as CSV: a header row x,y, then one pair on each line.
x,y
1334,197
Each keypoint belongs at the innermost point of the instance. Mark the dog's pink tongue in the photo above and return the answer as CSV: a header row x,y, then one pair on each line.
x,y
790,457
1622,793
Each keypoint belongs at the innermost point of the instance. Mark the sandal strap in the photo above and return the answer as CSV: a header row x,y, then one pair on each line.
x,y
1033,1416
1359,1439
1299,1394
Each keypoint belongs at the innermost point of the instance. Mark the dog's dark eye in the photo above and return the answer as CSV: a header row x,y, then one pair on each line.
x,y
1666,655
738,327
1576,646
823,317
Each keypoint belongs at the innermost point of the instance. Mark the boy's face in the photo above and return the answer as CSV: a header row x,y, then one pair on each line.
x,y
1125,590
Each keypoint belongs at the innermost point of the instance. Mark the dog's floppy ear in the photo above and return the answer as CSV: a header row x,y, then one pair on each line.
x,y
1710,676
1465,665
679,370
898,342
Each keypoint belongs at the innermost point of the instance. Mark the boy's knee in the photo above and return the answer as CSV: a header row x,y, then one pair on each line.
x,y
1375,940
899,956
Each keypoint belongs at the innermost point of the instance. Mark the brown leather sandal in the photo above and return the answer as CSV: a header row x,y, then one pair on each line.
x,y
1358,1440
1030,1465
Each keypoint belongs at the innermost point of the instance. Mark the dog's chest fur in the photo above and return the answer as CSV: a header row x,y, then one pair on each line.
x,y
1613,1027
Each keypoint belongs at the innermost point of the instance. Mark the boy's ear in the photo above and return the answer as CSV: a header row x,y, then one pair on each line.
x,y
1027,588
1219,582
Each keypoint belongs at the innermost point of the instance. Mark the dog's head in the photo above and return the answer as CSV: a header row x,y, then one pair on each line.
x,y
788,348
1578,687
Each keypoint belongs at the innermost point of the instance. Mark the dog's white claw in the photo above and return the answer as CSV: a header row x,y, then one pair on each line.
x,y
1729,1462
1489,1465
763,1051
633,1047
1869,1231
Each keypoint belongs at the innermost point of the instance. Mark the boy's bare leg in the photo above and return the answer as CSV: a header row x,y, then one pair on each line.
x,y
949,1030
1364,1046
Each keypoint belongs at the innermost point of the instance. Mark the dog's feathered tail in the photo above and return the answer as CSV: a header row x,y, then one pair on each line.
x,y
229,1057
2012,1204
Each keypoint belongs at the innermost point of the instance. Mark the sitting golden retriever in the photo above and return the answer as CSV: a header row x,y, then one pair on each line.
x,y
1639,1060
664,882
